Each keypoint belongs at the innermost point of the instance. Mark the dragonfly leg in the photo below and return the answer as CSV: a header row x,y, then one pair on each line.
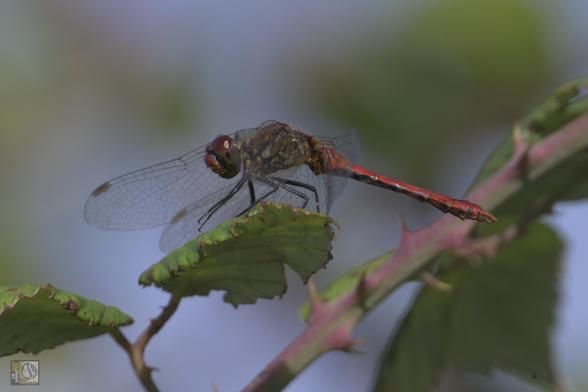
x,y
301,185
297,193
212,210
254,202
251,190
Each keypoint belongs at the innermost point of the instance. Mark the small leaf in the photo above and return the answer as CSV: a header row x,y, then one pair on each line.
x,y
559,173
347,282
35,318
565,105
498,315
245,256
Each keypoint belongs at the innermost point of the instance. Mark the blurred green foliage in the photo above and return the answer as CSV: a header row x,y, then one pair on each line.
x,y
52,59
458,65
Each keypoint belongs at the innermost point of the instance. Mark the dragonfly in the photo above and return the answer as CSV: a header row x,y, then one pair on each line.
x,y
226,178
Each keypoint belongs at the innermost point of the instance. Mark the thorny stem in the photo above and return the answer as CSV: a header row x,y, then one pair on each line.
x,y
136,350
332,322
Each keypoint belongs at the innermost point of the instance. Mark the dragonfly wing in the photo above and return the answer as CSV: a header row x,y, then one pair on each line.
x,y
176,234
348,146
186,228
154,195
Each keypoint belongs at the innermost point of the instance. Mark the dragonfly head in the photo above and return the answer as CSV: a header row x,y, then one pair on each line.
x,y
223,157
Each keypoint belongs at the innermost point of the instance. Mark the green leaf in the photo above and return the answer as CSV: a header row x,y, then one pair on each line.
x,y
561,175
35,318
567,103
245,256
347,282
564,105
498,315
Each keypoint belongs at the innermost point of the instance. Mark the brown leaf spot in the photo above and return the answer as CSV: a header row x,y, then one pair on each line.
x,y
72,305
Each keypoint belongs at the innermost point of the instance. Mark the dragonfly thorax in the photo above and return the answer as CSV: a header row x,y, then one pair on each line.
x,y
223,157
273,147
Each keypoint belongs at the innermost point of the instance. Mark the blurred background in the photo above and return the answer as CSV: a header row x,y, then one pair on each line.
x,y
90,90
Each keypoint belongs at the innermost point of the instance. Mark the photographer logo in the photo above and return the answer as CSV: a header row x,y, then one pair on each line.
x,y
24,372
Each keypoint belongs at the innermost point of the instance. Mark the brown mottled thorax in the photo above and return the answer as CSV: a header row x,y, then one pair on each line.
x,y
276,146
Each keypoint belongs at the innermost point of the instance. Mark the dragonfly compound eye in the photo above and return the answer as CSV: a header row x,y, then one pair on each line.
x,y
223,157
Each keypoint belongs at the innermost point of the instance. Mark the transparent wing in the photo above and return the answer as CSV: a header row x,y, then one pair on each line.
x,y
153,196
348,146
178,233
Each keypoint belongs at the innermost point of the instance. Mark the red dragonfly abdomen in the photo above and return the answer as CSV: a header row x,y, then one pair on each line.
x,y
461,208
335,164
